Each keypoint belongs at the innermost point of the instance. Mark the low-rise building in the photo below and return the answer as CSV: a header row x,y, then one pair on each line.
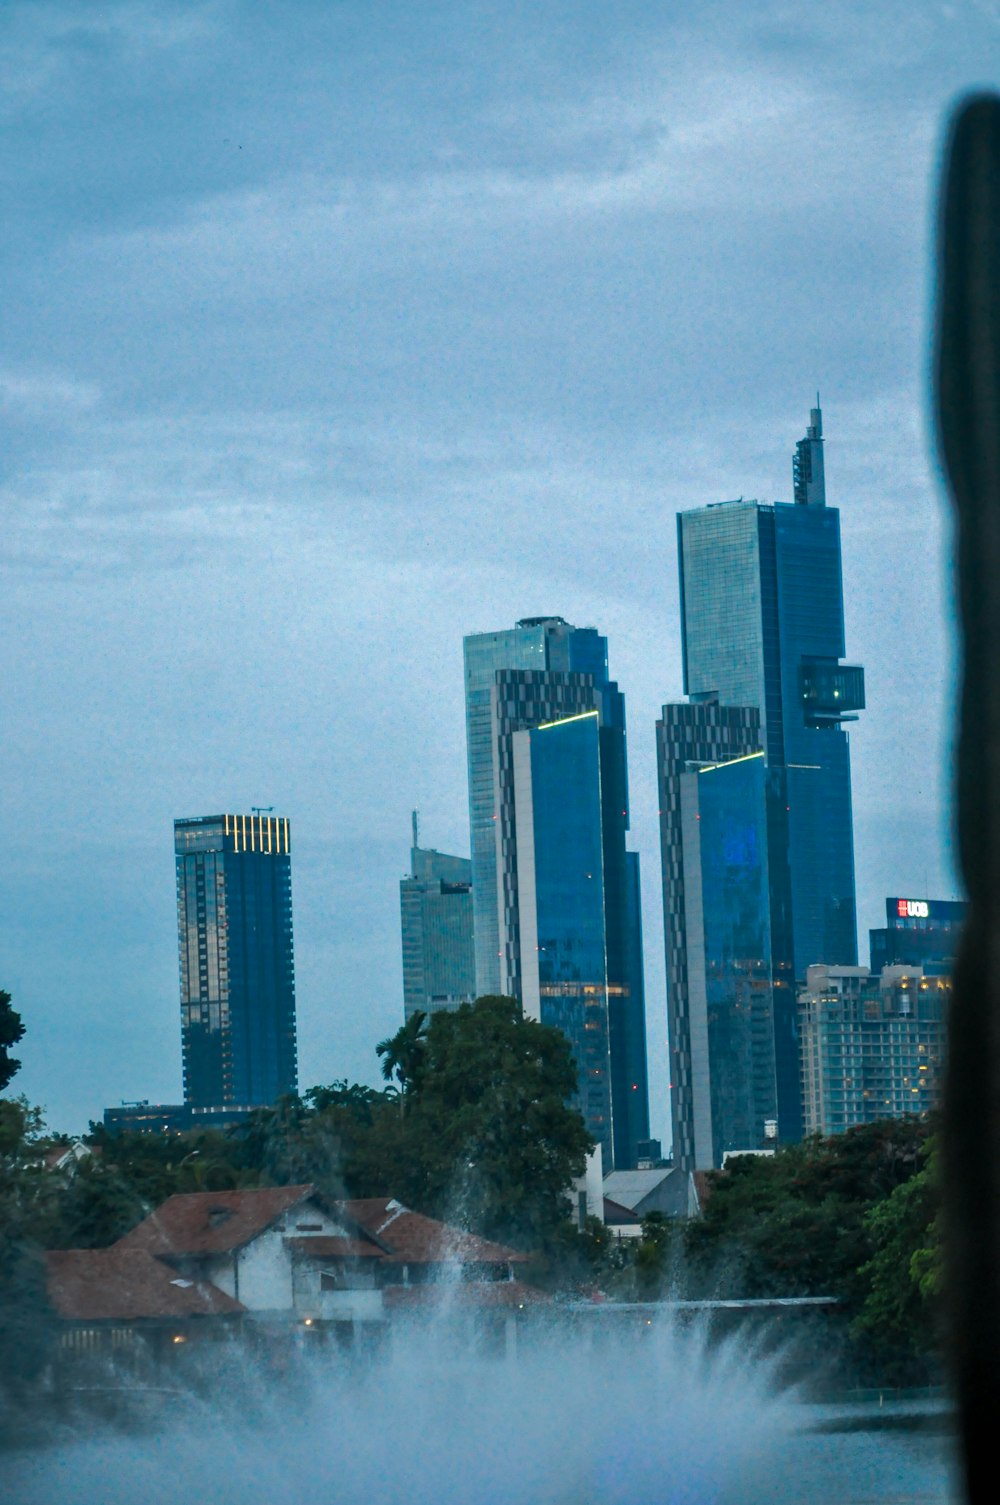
x,y
630,1196
872,1044
125,1304
288,1252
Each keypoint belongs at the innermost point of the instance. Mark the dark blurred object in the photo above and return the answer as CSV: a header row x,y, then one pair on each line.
x,y
968,402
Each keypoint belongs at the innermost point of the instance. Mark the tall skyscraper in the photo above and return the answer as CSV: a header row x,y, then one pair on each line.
x,y
547,740
435,901
237,973
762,625
542,643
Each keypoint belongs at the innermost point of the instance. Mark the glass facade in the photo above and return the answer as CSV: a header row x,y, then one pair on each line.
x,y
557,780
571,690
539,643
237,973
689,737
435,900
762,624
724,825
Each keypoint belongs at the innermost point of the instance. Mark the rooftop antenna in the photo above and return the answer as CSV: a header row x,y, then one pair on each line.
x,y
416,828
262,809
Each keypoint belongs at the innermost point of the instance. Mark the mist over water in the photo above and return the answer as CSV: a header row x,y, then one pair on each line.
x,y
659,1418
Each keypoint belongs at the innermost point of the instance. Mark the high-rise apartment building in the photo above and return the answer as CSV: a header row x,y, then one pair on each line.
x,y
237,973
872,1044
762,631
435,901
560,926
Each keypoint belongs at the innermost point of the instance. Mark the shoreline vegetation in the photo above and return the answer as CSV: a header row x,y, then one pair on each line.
x,y
473,1127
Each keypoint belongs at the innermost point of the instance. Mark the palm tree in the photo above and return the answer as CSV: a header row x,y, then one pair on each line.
x,y
403,1053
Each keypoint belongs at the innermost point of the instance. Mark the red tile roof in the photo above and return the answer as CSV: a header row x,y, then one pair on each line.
x,y
93,1285
213,1222
411,1238
323,1246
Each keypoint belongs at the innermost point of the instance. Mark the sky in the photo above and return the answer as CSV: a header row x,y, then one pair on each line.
x,y
334,331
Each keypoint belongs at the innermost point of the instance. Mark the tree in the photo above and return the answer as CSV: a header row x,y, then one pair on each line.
x,y
793,1223
652,1257
11,1031
403,1053
901,1312
24,1330
489,1140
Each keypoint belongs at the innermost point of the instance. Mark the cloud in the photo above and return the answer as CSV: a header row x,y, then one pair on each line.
x,y
43,43
47,395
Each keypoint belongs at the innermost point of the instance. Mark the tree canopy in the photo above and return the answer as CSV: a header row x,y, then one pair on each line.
x,y
485,1133
11,1031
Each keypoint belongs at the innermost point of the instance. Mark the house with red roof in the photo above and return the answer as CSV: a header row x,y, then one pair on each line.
x,y
282,1252
127,1305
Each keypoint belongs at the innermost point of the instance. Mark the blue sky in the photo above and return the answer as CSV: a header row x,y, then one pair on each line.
x,y
335,331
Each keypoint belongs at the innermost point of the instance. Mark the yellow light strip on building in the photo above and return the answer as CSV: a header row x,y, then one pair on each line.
x,y
286,834
746,758
547,725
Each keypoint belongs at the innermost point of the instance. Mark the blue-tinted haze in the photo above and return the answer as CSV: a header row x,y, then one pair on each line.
x,y
335,331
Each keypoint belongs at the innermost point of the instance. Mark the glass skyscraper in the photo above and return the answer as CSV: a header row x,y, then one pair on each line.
x,y
547,740
237,973
545,643
762,624
435,900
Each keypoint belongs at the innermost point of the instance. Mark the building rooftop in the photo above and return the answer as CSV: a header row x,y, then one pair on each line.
x,y
93,1285
203,1223
411,1238
213,1222
629,1188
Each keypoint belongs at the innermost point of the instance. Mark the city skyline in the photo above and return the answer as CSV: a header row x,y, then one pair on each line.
x,y
314,364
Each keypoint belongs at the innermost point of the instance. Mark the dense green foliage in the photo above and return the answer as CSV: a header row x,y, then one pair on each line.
x,y
794,1223
854,1216
24,1332
477,1131
904,1276
11,1030
485,1136
473,1127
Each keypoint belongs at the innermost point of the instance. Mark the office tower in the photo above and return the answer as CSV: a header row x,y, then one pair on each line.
x,y
536,643
872,1044
435,901
234,919
721,967
919,933
547,740
762,630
